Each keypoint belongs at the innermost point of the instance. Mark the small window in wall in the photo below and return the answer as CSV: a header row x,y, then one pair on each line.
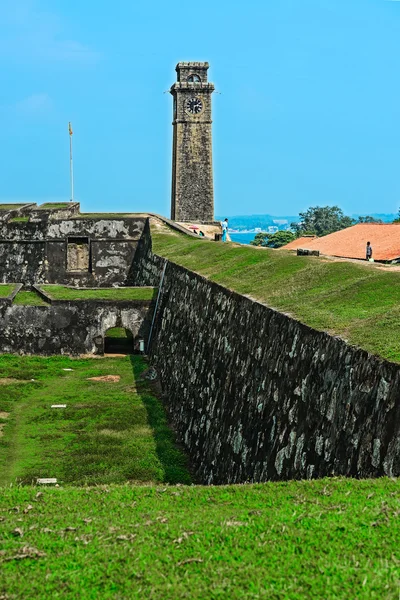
x,y
194,79
78,254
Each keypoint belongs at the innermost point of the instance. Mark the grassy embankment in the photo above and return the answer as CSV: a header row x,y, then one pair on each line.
x,y
12,206
327,540
110,432
29,298
106,216
52,205
119,333
60,292
6,289
19,220
359,302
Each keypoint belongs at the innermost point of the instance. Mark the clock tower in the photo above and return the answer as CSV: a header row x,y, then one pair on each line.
x,y
192,173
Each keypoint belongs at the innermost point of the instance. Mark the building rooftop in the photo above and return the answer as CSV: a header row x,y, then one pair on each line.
x,y
351,242
301,242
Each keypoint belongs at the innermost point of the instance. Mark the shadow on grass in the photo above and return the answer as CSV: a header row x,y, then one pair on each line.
x,y
174,462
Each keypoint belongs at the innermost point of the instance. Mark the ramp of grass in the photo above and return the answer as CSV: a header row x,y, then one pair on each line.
x,y
60,292
324,540
360,302
6,289
19,220
108,216
11,206
52,205
29,298
118,333
109,432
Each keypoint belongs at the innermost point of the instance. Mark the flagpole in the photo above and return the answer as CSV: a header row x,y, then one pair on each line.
x,y
71,163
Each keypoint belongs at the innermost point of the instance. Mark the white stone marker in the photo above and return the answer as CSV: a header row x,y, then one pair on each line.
x,y
46,480
58,406
67,369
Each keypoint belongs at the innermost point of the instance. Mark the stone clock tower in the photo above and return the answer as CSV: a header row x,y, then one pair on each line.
x,y
192,174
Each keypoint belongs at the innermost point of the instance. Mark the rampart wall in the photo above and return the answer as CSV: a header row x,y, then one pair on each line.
x,y
80,251
69,327
254,395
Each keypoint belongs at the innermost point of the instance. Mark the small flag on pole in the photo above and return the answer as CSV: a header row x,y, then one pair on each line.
x,y
71,164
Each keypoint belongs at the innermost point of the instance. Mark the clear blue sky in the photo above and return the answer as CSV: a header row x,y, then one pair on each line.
x,y
309,110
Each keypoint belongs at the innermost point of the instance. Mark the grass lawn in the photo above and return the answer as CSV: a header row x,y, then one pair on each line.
x,y
360,302
29,299
19,220
110,432
118,341
6,289
329,539
52,205
107,216
119,333
60,292
5,206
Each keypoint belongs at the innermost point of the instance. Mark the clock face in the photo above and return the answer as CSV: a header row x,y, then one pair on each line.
x,y
194,106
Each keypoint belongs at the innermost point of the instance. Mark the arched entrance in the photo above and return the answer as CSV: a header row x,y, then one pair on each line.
x,y
118,340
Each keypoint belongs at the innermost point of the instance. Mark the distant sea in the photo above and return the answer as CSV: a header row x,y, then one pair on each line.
x,y
242,238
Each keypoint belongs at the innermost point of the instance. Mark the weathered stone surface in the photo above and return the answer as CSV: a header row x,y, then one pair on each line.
x,y
305,252
46,480
192,174
255,395
69,327
78,255
78,250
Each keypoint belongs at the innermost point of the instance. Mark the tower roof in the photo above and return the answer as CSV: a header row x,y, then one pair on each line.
x,y
185,69
192,65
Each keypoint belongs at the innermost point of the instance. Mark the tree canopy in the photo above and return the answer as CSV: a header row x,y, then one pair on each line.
x,y
321,220
273,240
369,219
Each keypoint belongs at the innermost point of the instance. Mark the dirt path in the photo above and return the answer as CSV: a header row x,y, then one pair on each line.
x,y
363,263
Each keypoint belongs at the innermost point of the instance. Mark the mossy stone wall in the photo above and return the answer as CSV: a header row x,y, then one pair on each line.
x,y
254,395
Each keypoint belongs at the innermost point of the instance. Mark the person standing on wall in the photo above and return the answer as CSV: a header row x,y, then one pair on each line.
x,y
224,226
368,251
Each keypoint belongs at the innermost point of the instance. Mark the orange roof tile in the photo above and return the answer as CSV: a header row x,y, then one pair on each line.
x,y
351,242
299,242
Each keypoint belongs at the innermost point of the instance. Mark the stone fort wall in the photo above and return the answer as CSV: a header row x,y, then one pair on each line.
x,y
254,395
69,327
75,250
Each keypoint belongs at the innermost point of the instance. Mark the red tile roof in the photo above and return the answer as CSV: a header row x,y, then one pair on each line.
x,y
300,242
351,242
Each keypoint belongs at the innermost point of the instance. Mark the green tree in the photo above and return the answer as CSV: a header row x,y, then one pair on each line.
x,y
321,220
369,219
397,219
273,240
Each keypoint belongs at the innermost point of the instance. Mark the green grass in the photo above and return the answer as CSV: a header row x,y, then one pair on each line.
x,y
19,220
59,292
105,215
360,302
329,539
53,205
29,298
118,341
6,289
119,332
12,206
110,432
